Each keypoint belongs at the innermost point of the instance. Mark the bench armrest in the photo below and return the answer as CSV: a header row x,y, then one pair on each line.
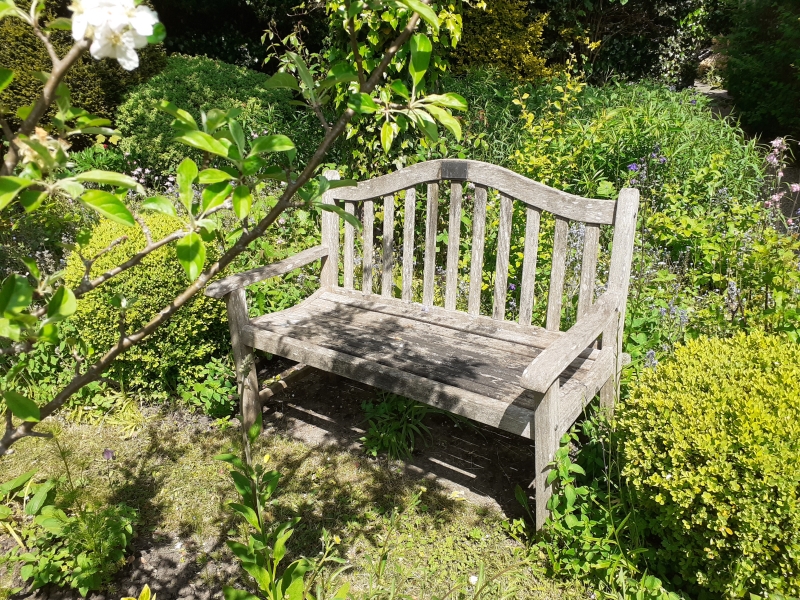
x,y
223,287
548,366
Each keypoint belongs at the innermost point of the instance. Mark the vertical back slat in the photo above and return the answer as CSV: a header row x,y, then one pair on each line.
x,y
453,246
329,274
387,282
431,218
533,219
366,265
591,247
349,247
408,242
476,260
557,275
503,248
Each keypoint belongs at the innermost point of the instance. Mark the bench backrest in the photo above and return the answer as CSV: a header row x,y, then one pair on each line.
x,y
535,196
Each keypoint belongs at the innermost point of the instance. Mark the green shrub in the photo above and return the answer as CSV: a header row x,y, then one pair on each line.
x,y
710,444
195,334
96,86
199,83
763,65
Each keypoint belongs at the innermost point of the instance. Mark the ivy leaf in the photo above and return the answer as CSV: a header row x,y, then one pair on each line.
x,y
271,143
203,141
191,254
22,407
187,172
160,204
10,187
109,206
242,201
6,77
15,295
421,49
62,305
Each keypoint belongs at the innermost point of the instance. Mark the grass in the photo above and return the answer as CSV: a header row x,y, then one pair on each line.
x,y
166,470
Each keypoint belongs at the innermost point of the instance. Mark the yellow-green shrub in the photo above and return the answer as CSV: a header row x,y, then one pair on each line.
x,y
96,86
504,36
197,332
711,449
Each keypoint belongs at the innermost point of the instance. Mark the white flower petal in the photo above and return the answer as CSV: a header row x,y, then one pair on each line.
x,y
143,20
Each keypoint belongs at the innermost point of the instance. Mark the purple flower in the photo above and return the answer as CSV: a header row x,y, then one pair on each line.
x,y
777,197
772,159
108,454
662,159
795,187
778,144
633,167
512,287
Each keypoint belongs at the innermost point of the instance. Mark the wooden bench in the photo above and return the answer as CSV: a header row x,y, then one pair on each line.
x,y
528,380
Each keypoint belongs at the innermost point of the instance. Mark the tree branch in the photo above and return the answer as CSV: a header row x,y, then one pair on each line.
x,y
351,29
25,428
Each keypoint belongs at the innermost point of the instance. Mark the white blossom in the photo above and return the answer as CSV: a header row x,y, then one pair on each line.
x,y
116,28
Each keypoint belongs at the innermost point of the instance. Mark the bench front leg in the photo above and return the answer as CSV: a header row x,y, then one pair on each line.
x,y
545,446
244,359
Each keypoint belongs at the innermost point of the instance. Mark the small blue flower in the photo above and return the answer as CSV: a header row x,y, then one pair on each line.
x,y
650,360
512,287
633,167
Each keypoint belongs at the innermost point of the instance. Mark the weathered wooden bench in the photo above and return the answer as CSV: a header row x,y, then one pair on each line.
x,y
528,380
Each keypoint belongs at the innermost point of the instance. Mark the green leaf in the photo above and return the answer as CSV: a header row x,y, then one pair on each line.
x,y
450,100
242,201
110,178
10,330
341,593
425,12
5,512
215,194
71,187
421,49
160,204
191,254
207,176
445,118
7,8
606,189
282,81
31,199
426,124
109,206
12,486
15,295
6,77
36,503
570,495
62,305
22,407
238,135
362,104
571,520
271,143
303,72
158,35
388,131
10,187
342,214
248,513
400,89
180,114
234,594
187,172
61,23
203,141
231,459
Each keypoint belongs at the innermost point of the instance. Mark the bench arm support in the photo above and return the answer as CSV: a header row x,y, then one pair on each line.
x,y
223,287
545,369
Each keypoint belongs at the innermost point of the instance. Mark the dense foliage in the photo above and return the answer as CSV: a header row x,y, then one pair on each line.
x,y
195,84
186,343
710,446
763,65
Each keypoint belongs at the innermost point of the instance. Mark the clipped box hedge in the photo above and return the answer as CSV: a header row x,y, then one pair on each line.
x,y
711,448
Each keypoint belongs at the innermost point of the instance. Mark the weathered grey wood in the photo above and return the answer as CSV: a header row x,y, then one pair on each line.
x,y
503,250
571,406
246,378
349,248
387,281
223,287
453,246
478,241
545,424
282,380
497,413
408,242
532,193
557,272
329,274
546,367
431,219
533,219
367,263
591,247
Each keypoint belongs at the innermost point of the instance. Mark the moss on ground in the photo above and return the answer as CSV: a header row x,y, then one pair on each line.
x,y
166,470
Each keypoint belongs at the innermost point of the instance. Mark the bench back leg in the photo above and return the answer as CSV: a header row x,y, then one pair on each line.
x,y
545,446
244,359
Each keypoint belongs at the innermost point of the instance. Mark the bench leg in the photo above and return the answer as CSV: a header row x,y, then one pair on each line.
x,y
545,446
244,359
608,396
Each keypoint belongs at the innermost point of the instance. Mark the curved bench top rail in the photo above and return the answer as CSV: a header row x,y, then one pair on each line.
x,y
532,193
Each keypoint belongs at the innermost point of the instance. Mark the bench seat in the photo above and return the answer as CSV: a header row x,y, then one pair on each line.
x,y
468,365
